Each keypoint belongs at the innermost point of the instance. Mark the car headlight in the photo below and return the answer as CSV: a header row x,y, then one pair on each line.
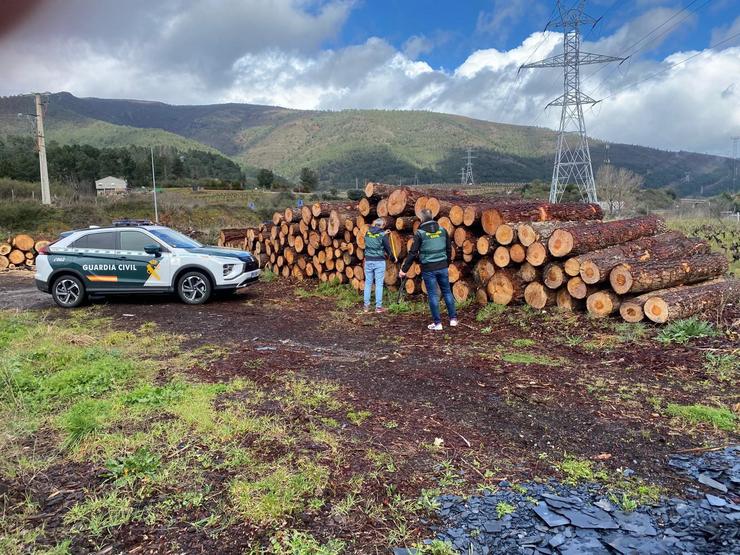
x,y
228,268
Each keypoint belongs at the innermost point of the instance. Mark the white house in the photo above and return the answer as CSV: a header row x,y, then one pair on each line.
x,y
111,186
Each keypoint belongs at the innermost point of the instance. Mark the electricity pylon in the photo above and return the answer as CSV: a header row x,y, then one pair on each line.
x,y
573,158
467,172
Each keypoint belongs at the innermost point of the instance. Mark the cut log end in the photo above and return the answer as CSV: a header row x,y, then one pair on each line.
x,y
560,243
620,279
631,312
656,309
538,296
572,267
501,257
590,272
602,303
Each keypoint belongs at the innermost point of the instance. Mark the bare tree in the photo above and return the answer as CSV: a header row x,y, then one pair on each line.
x,y
618,188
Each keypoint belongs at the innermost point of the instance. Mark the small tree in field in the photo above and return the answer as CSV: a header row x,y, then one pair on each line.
x,y
618,188
309,180
265,179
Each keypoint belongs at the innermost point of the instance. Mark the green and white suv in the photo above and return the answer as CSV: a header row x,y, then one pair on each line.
x,y
132,257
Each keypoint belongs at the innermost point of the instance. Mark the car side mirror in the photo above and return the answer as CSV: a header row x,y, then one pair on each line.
x,y
153,249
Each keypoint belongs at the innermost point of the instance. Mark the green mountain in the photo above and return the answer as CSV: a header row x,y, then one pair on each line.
x,y
367,144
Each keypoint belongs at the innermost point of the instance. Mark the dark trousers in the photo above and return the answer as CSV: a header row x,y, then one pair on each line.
x,y
439,278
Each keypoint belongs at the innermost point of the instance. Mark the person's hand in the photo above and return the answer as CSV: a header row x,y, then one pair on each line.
x,y
402,274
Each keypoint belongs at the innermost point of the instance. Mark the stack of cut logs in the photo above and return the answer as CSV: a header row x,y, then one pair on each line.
x,y
19,252
505,252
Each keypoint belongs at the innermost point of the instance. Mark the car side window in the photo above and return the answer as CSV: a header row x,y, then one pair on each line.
x,y
101,241
135,241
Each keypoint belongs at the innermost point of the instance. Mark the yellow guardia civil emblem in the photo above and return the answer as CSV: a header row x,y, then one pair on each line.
x,y
151,268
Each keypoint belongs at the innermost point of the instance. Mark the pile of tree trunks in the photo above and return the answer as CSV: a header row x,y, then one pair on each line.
x,y
19,252
504,251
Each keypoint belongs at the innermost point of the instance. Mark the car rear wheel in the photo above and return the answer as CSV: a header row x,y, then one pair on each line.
x,y
68,292
194,288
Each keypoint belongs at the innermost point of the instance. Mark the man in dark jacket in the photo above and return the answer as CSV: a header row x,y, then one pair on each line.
x,y
377,248
433,249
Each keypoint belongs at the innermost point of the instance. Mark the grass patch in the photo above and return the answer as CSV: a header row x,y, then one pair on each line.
x,y
358,417
523,343
345,296
720,418
85,418
682,331
268,275
303,543
407,307
98,515
530,358
489,312
278,494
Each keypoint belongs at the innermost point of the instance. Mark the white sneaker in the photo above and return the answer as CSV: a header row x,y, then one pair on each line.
x,y
453,322
435,327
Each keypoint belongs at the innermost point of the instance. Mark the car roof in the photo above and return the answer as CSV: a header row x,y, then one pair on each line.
x,y
113,228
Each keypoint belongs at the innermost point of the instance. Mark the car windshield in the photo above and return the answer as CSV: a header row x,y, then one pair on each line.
x,y
174,238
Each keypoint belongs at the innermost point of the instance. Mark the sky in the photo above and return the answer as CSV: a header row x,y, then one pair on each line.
x,y
679,89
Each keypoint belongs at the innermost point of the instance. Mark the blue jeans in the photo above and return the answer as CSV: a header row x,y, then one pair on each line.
x,y
374,272
441,278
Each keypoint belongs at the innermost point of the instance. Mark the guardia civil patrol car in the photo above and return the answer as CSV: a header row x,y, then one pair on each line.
x,y
135,257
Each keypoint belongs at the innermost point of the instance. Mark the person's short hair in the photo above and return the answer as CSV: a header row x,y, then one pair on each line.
x,y
426,215
379,222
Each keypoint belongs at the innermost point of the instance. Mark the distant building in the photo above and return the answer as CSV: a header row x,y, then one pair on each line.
x,y
111,186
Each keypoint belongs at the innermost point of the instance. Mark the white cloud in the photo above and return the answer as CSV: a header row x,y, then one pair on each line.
x,y
693,106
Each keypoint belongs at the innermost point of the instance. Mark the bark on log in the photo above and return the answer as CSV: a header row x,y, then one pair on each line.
x,y
405,223
682,302
533,211
602,303
585,238
374,191
662,273
594,267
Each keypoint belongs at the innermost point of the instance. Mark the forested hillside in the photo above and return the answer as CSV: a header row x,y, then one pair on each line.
x,y
341,146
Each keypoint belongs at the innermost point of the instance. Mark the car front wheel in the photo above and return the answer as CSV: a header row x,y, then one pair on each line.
x,y
194,288
68,292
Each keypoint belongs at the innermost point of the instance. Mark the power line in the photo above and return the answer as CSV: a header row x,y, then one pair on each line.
x,y
631,53
671,66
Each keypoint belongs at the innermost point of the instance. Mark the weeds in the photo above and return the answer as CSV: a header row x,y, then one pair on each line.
x,y
723,367
279,493
489,312
503,508
141,464
721,418
523,343
303,543
682,331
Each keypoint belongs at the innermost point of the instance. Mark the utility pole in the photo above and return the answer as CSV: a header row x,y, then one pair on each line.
x,y
154,189
41,145
573,158
735,143
467,173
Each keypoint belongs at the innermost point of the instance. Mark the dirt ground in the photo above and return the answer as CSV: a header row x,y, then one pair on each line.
x,y
518,391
